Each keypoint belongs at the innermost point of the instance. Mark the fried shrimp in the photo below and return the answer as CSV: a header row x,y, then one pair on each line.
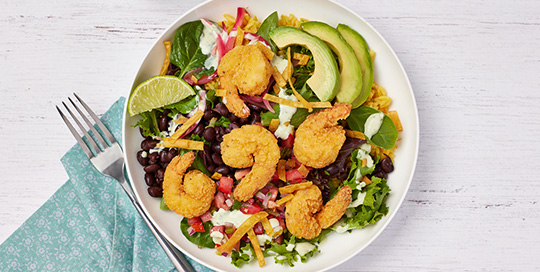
x,y
244,69
319,138
189,195
305,215
254,146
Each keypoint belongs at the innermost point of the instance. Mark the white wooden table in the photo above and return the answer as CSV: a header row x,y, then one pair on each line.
x,y
474,67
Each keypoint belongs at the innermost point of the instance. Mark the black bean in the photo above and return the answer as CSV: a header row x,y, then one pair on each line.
x,y
244,121
332,170
387,165
153,158
216,148
149,179
148,144
198,129
155,191
160,174
233,118
209,134
221,109
210,168
227,130
216,158
171,154
254,107
381,174
164,155
234,125
223,169
164,165
164,123
219,138
219,131
254,118
151,168
209,115
142,161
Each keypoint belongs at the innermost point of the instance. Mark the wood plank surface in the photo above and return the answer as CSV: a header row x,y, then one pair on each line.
x,y
474,67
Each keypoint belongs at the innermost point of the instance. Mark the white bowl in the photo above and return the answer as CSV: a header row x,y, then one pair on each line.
x,y
389,73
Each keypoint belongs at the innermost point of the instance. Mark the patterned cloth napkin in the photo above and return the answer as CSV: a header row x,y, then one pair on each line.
x,y
89,224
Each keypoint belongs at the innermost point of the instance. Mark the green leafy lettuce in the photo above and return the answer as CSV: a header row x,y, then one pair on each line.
x,y
202,239
244,256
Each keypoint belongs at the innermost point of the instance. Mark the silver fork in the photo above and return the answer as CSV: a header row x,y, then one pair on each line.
x,y
109,160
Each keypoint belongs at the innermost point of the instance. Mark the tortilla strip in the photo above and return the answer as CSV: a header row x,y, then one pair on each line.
x,y
241,231
294,187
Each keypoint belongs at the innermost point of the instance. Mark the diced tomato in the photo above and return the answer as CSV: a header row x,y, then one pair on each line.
x,y
274,192
296,180
289,142
218,228
241,173
293,175
193,220
275,177
198,227
278,239
258,228
225,184
247,208
206,216
219,201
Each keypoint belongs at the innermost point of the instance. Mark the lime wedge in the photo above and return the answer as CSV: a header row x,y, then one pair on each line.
x,y
156,92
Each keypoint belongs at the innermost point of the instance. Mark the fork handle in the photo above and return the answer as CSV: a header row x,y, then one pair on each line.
x,y
179,261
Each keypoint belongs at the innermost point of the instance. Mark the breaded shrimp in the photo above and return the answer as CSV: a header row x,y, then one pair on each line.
x,y
254,146
302,215
244,69
189,195
319,138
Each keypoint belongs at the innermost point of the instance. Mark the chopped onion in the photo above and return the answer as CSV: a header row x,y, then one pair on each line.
x,y
265,201
254,38
260,196
228,202
190,230
225,254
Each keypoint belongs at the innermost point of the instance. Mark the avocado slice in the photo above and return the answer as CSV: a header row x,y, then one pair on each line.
x,y
361,50
351,73
325,80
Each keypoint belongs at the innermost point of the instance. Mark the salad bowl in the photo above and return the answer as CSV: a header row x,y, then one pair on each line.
x,y
388,72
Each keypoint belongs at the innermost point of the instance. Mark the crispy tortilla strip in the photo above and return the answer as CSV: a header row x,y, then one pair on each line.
x,y
216,176
239,38
364,162
274,124
166,61
221,92
183,143
395,119
366,180
301,98
278,77
265,50
241,231
284,199
294,187
302,59
179,132
303,170
256,247
276,89
287,72
181,120
291,163
268,227
355,134
281,170
372,54
296,104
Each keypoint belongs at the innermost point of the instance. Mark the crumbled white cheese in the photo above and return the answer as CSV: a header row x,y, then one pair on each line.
x,y
303,248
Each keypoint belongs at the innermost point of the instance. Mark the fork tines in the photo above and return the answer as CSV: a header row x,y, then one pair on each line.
x,y
97,149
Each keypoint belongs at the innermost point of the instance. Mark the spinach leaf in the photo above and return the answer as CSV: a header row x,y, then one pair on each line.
x,y
185,51
162,205
184,106
199,238
267,25
198,163
386,136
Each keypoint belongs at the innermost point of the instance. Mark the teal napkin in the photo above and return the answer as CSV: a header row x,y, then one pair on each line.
x,y
89,224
